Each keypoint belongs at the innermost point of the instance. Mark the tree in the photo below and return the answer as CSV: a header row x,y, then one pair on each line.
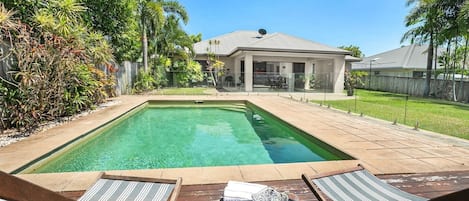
x,y
215,65
356,52
353,80
117,21
463,19
424,22
152,15
176,45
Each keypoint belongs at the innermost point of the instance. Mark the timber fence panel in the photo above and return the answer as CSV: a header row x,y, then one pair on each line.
x,y
415,86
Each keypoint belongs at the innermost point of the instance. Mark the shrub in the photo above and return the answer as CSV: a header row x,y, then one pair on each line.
x,y
144,82
52,77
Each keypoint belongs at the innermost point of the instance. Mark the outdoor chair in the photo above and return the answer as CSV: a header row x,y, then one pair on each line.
x,y
107,187
359,184
229,81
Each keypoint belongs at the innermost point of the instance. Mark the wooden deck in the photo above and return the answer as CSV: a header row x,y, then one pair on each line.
x,y
427,185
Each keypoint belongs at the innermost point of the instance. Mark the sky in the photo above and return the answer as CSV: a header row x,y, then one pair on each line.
x,y
373,25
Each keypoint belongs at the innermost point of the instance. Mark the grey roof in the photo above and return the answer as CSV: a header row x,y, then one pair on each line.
x,y
251,40
408,57
352,59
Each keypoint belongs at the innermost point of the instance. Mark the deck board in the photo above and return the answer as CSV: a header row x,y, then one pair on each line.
x,y
427,185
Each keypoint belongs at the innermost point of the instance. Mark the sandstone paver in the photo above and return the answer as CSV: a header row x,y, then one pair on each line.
x,y
380,146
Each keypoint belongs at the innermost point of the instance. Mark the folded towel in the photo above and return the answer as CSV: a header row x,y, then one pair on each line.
x,y
236,190
269,194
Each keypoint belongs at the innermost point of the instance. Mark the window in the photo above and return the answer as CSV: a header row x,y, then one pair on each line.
x,y
417,74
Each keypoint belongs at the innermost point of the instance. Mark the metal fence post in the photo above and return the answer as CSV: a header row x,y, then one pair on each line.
x,y
405,108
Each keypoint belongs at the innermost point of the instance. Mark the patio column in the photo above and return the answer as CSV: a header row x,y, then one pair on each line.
x,y
248,72
237,70
338,74
308,72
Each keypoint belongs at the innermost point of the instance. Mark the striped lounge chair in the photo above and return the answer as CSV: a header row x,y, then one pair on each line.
x,y
107,187
359,184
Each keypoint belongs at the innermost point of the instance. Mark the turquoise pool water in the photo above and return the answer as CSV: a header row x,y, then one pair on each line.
x,y
169,137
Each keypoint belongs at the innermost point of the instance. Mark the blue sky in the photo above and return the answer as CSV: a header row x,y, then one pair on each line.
x,y
373,25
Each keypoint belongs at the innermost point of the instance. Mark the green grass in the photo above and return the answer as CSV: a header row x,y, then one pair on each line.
x,y
434,115
180,91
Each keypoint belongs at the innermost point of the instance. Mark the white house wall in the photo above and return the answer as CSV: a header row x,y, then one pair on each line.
x,y
338,74
329,69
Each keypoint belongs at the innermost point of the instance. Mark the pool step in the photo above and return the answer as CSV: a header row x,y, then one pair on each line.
x,y
233,109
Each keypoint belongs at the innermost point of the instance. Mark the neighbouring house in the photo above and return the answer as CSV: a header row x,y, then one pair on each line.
x,y
407,61
263,62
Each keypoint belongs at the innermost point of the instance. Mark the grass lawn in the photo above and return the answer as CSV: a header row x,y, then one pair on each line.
x,y
180,91
434,115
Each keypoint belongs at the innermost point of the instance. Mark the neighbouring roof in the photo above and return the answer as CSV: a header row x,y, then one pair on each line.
x,y
352,59
251,40
408,57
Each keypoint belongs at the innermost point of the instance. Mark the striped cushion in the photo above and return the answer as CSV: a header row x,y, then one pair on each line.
x,y
360,185
108,189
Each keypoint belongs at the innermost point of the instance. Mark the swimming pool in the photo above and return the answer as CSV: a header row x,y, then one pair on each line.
x,y
189,134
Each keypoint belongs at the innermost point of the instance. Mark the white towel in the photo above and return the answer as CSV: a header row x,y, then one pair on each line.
x,y
236,190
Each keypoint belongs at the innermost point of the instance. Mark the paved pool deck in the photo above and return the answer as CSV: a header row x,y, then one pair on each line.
x,y
381,147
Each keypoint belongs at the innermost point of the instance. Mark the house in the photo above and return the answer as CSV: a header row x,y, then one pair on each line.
x,y
406,61
256,60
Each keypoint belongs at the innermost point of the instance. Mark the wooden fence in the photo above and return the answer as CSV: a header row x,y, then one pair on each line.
x,y
415,86
126,76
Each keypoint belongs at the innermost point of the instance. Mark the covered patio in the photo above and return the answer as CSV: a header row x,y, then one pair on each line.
x,y
275,62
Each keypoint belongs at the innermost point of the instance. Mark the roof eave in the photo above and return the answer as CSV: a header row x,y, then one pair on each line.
x,y
287,51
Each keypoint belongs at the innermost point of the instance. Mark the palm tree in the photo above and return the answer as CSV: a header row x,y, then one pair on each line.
x,y
463,19
176,41
152,16
424,18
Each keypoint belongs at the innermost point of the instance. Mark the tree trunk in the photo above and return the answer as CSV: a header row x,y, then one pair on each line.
x,y
144,42
213,78
435,60
428,76
145,49
453,79
461,83
435,66
447,60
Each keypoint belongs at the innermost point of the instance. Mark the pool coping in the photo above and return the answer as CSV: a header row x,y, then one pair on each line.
x,y
399,150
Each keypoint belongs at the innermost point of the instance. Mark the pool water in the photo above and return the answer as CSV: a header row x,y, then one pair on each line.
x,y
170,137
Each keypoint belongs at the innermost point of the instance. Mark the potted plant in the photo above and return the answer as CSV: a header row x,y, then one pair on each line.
x,y
352,80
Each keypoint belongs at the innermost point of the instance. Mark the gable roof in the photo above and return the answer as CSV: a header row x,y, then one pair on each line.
x,y
250,40
352,59
408,57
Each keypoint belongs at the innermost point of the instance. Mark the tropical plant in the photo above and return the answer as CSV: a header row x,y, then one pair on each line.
x,y
214,64
356,52
353,80
144,82
117,21
50,76
61,17
440,23
152,16
425,22
189,73
175,45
